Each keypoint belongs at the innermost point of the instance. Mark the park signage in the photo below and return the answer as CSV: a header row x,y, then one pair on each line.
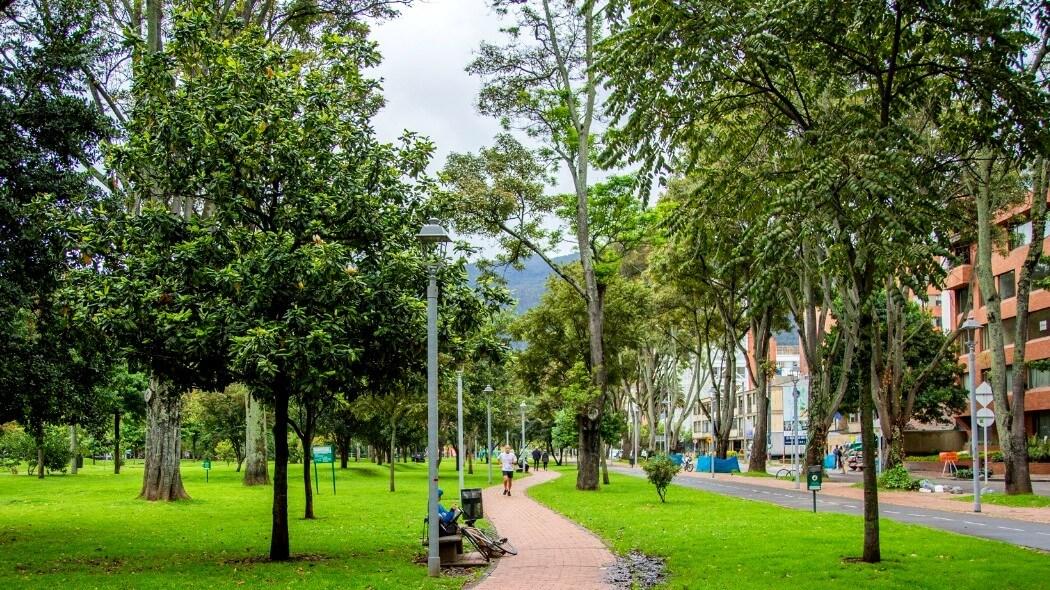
x,y
206,464
323,455
814,473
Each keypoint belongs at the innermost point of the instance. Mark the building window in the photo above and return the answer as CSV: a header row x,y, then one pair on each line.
x,y
1021,235
1041,271
1042,424
1038,378
986,375
963,300
1039,324
960,255
1007,285
1009,333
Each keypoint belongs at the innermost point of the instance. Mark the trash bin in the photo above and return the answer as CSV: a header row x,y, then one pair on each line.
x,y
470,503
80,461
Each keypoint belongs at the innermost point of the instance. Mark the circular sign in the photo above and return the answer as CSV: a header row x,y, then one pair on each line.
x,y
984,394
985,417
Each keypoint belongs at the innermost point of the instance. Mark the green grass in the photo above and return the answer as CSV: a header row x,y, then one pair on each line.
x,y
89,531
713,541
1018,501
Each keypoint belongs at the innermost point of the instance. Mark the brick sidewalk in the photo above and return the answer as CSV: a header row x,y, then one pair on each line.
x,y
554,553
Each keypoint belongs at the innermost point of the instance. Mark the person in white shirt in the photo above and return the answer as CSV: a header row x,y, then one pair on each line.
x,y
507,461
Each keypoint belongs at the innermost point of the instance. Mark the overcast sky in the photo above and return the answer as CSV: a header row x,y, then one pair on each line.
x,y
425,51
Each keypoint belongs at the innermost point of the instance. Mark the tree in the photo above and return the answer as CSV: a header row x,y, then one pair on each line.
x,y
307,210
122,393
51,360
549,88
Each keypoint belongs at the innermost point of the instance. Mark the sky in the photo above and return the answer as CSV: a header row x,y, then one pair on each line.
x,y
425,54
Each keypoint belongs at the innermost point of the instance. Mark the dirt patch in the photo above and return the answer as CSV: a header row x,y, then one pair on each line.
x,y
636,570
252,560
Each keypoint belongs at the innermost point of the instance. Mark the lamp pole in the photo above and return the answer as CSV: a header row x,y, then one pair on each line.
x,y
522,406
459,426
432,234
488,428
971,326
794,443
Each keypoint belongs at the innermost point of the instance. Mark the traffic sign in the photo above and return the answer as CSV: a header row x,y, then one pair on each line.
x,y
983,394
985,417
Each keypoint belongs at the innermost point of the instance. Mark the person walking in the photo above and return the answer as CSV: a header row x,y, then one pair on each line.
x,y
536,454
545,458
507,460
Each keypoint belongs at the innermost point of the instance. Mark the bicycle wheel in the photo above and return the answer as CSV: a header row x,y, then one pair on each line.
x,y
506,547
478,540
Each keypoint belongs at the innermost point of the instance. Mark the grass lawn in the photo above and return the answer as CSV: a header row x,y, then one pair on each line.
x,y
713,541
1018,501
89,531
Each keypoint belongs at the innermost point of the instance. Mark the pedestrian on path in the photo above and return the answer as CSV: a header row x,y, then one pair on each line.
x,y
545,458
536,454
838,457
507,460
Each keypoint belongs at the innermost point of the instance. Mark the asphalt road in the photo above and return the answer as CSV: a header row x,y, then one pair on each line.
x,y
1016,532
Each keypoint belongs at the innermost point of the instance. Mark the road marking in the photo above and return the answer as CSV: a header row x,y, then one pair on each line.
x,y
917,515
942,518
1044,534
848,506
891,512
1006,528
974,523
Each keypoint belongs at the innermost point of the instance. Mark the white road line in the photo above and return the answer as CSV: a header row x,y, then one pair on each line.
x,y
848,506
891,512
1043,534
1006,528
917,515
974,523
942,518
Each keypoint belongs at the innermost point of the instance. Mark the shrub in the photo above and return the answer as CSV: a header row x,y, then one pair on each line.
x,y
17,447
732,454
898,478
965,473
660,471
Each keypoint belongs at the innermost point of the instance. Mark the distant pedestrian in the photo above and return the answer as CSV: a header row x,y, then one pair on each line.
x,y
507,460
536,454
545,458
838,457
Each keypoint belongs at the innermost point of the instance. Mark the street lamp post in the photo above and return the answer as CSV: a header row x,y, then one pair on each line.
x,y
488,428
433,236
522,406
459,426
794,443
971,325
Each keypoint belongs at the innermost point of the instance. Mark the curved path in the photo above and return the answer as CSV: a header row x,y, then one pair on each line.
x,y
554,553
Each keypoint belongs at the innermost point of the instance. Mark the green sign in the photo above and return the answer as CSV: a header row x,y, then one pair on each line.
x,y
206,464
323,455
813,477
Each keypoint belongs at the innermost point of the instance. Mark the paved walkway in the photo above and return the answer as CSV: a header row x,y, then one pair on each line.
x,y
554,553
1028,534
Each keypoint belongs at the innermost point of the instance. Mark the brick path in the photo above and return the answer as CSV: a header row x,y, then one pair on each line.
x,y
554,553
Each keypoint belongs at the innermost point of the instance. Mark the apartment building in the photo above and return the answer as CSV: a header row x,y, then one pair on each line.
x,y
962,296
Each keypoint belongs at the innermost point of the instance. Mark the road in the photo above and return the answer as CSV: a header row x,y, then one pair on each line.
x,y
1026,534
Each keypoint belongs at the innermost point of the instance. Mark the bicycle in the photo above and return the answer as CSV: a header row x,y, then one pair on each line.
x,y
489,546
786,473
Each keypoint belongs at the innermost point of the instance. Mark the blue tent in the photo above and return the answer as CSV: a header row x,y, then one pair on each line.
x,y
721,465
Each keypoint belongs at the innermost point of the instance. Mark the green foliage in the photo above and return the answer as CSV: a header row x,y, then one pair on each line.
x,y
17,447
898,478
660,470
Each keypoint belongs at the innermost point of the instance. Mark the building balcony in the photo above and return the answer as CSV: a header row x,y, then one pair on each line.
x,y
959,276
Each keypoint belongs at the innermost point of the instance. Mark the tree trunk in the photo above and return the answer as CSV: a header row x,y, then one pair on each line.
x,y
590,454
308,489
761,330
256,468
470,459
40,457
344,450
279,548
605,466
116,443
872,550
393,439
73,448
162,478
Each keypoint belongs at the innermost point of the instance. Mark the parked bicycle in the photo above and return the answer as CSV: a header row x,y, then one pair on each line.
x,y
487,544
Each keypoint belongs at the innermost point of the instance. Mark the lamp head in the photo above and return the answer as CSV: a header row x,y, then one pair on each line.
x,y
970,325
488,390
432,233
522,405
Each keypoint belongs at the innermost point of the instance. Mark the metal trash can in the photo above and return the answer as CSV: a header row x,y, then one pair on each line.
x,y
470,503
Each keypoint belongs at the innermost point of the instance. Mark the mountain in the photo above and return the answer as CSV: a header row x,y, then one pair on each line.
x,y
528,284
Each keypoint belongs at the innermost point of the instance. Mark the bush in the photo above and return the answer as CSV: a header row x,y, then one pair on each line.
x,y
732,454
17,448
660,471
898,478
965,473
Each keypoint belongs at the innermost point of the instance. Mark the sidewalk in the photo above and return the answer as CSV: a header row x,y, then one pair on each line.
x,y
942,502
554,553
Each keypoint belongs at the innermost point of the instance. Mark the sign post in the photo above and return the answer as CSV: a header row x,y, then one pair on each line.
x,y
207,469
324,455
814,474
985,418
